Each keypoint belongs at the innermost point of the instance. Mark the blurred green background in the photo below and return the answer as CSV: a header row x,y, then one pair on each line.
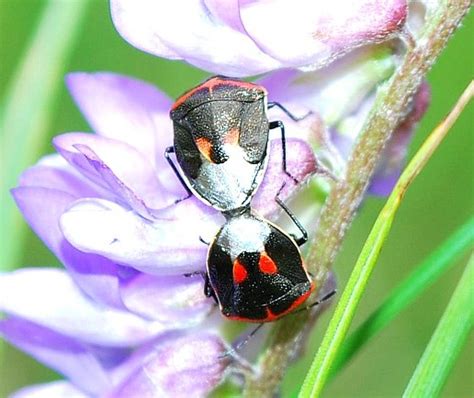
x,y
439,201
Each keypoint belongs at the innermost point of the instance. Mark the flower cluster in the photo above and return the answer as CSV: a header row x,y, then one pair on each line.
x,y
242,38
127,316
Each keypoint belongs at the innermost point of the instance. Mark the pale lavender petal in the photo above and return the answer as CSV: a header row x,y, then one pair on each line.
x,y
178,366
59,352
96,275
227,11
55,389
53,300
394,155
176,299
125,109
54,172
116,166
168,245
301,164
184,29
311,34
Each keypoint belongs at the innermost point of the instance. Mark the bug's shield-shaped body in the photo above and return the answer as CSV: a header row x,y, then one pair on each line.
x,y
221,139
256,270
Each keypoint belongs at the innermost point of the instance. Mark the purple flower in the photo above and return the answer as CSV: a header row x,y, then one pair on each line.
x,y
122,319
241,38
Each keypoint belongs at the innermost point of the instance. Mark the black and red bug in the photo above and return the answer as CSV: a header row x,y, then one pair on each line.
x,y
221,134
221,139
256,271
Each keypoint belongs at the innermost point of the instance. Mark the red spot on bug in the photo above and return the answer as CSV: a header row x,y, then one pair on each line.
x,y
239,272
266,264
205,147
232,136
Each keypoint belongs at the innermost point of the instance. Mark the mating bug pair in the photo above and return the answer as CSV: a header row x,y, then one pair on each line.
x,y
221,134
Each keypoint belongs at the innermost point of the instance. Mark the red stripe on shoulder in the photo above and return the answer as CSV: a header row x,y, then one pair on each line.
x,y
211,83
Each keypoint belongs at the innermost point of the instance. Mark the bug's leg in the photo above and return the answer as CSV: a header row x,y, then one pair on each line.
x,y
201,239
191,274
247,338
233,351
168,151
208,290
321,300
287,112
279,124
318,302
304,234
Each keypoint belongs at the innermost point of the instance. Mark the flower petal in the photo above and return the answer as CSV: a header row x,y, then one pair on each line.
x,y
311,34
116,166
53,300
52,171
59,352
301,164
96,275
226,11
176,299
126,110
169,245
55,389
206,41
178,366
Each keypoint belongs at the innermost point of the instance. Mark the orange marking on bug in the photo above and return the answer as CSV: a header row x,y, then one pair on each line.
x,y
266,264
239,272
210,84
232,136
205,147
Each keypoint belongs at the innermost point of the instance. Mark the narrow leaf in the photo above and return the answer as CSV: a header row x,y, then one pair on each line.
x,y
345,310
25,112
424,275
447,341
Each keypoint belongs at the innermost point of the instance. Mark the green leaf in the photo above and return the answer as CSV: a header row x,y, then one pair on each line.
x,y
438,262
26,110
350,298
445,345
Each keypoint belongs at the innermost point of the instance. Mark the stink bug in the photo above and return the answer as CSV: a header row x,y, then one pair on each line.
x,y
255,270
221,133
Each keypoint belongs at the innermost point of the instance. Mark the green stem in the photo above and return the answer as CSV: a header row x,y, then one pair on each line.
x,y
391,104
26,111
350,298
445,345
435,265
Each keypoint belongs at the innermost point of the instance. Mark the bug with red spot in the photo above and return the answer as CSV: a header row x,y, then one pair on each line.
x,y
221,135
255,270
